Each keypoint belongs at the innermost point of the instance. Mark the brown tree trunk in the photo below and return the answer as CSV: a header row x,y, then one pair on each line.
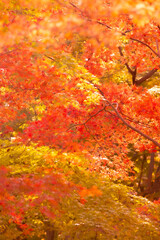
x,y
150,171
51,235
141,173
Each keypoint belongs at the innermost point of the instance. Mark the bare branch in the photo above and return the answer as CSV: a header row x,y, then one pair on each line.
x,y
89,19
78,9
104,24
92,116
145,77
49,57
133,128
127,124
129,69
132,72
145,44
134,121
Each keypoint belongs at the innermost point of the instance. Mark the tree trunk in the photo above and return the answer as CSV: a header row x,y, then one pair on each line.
x,y
51,231
150,171
141,173
51,235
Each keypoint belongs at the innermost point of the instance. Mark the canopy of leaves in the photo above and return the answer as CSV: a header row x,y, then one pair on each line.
x,y
79,118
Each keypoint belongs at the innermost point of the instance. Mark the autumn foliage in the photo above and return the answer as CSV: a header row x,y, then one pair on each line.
x,y
79,119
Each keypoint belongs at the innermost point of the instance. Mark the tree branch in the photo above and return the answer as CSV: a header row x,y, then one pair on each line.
x,y
133,128
123,33
126,123
145,44
141,172
89,19
92,116
126,64
132,72
150,170
145,77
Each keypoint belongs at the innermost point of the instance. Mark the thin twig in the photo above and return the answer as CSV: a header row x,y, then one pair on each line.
x,y
92,116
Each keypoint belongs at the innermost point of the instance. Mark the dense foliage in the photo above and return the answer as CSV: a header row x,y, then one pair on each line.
x,y
79,119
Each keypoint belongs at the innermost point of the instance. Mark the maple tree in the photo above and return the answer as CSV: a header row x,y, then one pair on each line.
x,y
77,117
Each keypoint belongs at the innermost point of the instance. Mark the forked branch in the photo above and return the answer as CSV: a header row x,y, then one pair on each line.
x,y
126,123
